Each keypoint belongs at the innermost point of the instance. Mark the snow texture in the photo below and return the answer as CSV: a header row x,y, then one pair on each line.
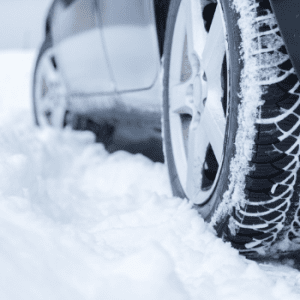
x,y
79,223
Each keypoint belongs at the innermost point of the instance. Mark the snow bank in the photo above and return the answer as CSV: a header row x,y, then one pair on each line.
x,y
78,223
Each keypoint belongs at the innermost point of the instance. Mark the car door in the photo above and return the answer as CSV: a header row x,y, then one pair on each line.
x,y
79,47
129,33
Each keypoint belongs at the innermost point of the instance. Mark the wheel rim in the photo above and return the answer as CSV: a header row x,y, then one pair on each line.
x,y
50,93
198,97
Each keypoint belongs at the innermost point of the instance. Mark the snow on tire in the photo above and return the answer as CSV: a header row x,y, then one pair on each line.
x,y
246,187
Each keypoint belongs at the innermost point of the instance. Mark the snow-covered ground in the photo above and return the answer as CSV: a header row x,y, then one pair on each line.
x,y
79,223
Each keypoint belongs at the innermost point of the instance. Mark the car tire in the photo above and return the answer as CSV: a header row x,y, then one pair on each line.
x,y
244,178
49,90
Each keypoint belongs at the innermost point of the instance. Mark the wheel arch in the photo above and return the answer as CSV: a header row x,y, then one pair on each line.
x,y
49,19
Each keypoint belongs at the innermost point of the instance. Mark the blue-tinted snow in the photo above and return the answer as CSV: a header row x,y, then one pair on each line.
x,y
78,223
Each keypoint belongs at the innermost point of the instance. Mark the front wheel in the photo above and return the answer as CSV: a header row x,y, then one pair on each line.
x,y
231,122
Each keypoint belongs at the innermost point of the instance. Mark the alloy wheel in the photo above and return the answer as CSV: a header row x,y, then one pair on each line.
x,y
49,93
198,96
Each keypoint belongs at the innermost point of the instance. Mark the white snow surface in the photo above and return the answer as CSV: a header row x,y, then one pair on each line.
x,y
79,223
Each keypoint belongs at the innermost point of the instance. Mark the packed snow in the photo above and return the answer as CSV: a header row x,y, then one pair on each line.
x,y
79,223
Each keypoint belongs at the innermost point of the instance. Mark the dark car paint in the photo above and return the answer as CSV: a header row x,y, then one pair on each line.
x,y
288,16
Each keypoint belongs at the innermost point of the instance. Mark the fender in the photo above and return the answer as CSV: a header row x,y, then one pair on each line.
x,y
49,21
287,13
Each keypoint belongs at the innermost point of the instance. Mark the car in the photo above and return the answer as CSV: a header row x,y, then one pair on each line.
x,y
226,74
82,73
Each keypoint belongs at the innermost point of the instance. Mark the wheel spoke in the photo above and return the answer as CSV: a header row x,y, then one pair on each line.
x,y
214,51
47,104
214,123
177,53
213,117
58,117
47,65
182,98
195,27
198,143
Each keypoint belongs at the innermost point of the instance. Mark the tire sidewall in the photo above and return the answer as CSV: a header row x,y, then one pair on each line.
x,y
235,64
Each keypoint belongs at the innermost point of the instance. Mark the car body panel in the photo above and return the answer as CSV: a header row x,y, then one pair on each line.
x,y
288,16
106,46
90,74
79,49
73,19
131,42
